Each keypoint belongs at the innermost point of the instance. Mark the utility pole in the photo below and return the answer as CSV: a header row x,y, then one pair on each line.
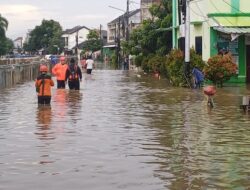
x,y
127,21
76,44
119,43
187,40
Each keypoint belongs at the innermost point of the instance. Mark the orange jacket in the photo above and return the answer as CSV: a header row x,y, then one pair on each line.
x,y
43,85
59,71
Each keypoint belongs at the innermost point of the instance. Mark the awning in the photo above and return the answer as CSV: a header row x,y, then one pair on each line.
x,y
233,30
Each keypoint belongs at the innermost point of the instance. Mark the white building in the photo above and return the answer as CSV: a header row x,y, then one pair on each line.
x,y
73,37
18,43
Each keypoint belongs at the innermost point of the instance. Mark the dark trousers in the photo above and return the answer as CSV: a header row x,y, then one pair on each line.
x,y
89,71
44,100
60,84
74,84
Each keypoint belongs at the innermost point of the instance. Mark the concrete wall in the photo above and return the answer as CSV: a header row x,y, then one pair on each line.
x,y
12,74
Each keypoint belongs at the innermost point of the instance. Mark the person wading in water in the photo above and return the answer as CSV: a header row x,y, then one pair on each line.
x,y
59,70
43,86
73,75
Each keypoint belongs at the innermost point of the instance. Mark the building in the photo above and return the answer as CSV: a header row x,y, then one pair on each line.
x,y
117,27
215,26
18,43
74,36
145,5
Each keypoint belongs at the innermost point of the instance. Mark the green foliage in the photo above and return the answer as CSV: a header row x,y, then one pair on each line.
x,y
148,39
196,60
138,60
114,61
220,68
5,44
47,36
93,42
154,63
174,67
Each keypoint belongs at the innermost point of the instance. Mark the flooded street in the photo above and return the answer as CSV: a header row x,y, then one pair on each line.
x,y
123,132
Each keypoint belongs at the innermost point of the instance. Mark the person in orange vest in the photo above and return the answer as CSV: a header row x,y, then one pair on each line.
x,y
43,86
73,75
59,70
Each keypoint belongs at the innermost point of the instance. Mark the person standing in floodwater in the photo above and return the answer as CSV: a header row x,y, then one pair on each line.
x,y
73,75
90,64
59,70
43,86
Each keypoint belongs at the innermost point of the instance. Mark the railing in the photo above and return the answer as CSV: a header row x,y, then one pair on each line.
x,y
14,71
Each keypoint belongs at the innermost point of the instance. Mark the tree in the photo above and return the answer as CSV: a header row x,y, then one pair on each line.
x,y
4,48
3,25
93,42
150,38
220,68
47,36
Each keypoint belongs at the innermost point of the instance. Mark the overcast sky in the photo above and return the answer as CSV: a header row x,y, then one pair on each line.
x,y
26,14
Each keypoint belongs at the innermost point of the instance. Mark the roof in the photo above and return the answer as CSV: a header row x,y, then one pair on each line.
x,y
19,38
131,13
233,30
75,29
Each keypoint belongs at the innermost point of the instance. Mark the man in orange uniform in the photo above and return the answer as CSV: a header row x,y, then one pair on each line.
x,y
59,70
43,86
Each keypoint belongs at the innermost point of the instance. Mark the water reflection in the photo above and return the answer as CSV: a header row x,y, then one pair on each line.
x,y
124,132
44,119
74,98
59,104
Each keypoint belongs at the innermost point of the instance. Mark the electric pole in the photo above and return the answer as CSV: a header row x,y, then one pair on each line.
x,y
187,40
127,21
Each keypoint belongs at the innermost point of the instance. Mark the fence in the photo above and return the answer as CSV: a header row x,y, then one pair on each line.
x,y
16,71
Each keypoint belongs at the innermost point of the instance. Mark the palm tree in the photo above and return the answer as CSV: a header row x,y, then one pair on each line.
x,y
3,25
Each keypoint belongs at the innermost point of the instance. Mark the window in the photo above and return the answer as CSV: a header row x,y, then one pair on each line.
x,y
181,44
198,45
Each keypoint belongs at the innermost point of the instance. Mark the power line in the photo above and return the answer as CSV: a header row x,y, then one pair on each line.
x,y
220,12
233,6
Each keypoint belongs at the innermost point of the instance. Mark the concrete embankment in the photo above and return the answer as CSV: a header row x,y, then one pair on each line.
x,y
14,71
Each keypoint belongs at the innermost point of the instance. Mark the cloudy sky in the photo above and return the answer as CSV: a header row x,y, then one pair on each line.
x,y
26,14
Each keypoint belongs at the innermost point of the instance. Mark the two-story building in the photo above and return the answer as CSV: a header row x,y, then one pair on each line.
x,y
73,37
117,27
216,26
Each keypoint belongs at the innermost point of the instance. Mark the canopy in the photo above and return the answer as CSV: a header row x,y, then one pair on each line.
x,y
232,30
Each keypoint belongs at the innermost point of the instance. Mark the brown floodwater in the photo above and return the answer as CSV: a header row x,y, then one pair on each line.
x,y
123,131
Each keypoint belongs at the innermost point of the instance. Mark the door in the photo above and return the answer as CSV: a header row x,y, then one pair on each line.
x,y
248,63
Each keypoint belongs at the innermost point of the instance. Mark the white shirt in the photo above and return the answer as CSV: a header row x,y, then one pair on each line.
x,y
90,63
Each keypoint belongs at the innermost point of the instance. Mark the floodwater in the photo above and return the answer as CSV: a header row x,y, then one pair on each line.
x,y
123,131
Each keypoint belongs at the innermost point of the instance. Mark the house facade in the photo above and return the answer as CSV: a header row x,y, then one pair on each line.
x,y
117,27
215,26
73,37
18,43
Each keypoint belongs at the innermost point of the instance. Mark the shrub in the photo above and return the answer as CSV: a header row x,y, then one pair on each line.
x,y
174,67
220,68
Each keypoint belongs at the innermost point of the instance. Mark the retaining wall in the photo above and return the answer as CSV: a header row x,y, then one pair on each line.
x,y
15,72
